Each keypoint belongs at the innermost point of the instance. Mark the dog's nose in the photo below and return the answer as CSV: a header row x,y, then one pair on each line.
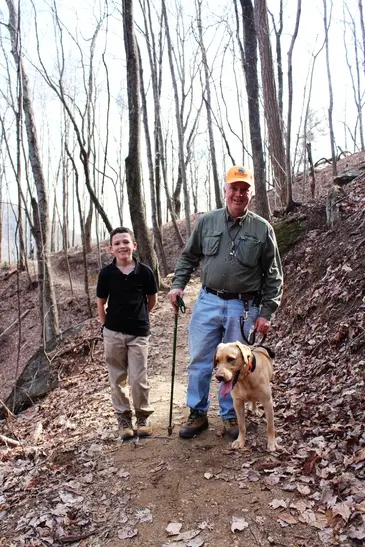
x,y
219,377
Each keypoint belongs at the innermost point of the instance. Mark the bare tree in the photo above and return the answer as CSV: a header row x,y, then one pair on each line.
x,y
355,78
155,54
84,129
308,130
239,133
278,29
249,63
179,121
311,168
156,228
48,304
327,23
271,106
289,191
208,102
82,228
133,160
361,13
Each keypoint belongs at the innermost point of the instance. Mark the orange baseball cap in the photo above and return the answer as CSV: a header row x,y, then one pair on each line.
x,y
238,173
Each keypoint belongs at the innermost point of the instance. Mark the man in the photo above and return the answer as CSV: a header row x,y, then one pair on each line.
x,y
241,277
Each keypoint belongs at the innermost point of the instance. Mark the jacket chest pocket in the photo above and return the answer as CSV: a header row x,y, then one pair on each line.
x,y
248,251
210,244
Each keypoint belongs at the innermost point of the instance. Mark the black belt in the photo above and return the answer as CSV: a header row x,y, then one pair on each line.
x,y
232,295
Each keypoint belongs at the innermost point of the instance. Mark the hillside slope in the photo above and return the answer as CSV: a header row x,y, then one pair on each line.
x,y
66,479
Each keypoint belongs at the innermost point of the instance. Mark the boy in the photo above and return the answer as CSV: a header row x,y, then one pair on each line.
x,y
130,290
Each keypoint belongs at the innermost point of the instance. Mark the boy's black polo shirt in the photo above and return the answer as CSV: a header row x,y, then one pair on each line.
x,y
127,310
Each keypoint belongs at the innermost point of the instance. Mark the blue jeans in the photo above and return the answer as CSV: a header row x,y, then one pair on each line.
x,y
213,320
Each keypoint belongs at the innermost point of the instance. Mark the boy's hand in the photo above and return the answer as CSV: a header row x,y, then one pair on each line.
x,y
101,331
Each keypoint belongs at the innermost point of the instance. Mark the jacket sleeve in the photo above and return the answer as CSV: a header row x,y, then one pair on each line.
x,y
272,288
190,258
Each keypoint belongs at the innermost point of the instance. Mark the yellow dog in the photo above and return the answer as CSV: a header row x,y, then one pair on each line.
x,y
247,374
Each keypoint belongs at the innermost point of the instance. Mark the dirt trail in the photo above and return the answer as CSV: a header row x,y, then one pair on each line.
x,y
68,480
79,481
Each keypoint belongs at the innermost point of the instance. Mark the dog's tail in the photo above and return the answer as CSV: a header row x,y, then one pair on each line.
x,y
269,351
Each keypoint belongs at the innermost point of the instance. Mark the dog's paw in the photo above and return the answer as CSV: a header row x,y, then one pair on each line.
x,y
256,411
271,445
238,443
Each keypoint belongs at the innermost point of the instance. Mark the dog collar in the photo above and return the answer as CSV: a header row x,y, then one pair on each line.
x,y
251,366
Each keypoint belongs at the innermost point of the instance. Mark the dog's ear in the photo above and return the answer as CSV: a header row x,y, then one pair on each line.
x,y
245,352
215,359
270,352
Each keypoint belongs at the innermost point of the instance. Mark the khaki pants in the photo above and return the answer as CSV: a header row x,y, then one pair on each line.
x,y
126,355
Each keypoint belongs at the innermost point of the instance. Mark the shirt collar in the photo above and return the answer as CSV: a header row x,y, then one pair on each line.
x,y
239,220
136,265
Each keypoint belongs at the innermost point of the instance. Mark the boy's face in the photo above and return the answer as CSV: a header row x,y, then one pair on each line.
x,y
122,247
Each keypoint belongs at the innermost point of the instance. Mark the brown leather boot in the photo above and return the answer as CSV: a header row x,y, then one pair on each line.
x,y
125,425
230,426
196,422
144,428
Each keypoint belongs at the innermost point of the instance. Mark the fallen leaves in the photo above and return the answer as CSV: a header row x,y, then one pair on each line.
x,y
63,482
238,524
127,532
286,518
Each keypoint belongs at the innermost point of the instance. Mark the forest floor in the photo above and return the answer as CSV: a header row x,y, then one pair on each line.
x,y
66,478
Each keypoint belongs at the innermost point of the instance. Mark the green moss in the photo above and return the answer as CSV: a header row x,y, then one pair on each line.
x,y
289,232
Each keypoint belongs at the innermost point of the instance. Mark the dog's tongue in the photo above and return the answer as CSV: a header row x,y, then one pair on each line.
x,y
226,388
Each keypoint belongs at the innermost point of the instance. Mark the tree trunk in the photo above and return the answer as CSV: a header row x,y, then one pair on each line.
x,y
208,102
88,227
249,61
156,228
289,192
279,60
361,12
271,107
82,228
311,167
330,106
179,122
82,140
133,160
355,80
160,163
49,313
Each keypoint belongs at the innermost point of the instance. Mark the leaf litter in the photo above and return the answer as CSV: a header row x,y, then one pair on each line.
x,y
62,483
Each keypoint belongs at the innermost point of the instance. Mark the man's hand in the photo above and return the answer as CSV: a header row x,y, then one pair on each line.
x,y
173,294
262,325
101,331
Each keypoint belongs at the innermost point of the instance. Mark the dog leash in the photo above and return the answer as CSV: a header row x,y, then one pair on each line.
x,y
252,337
182,308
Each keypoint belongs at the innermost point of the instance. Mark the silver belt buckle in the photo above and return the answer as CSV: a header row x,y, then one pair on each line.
x,y
220,292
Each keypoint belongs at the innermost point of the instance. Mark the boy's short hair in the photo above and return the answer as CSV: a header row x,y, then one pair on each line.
x,y
121,230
